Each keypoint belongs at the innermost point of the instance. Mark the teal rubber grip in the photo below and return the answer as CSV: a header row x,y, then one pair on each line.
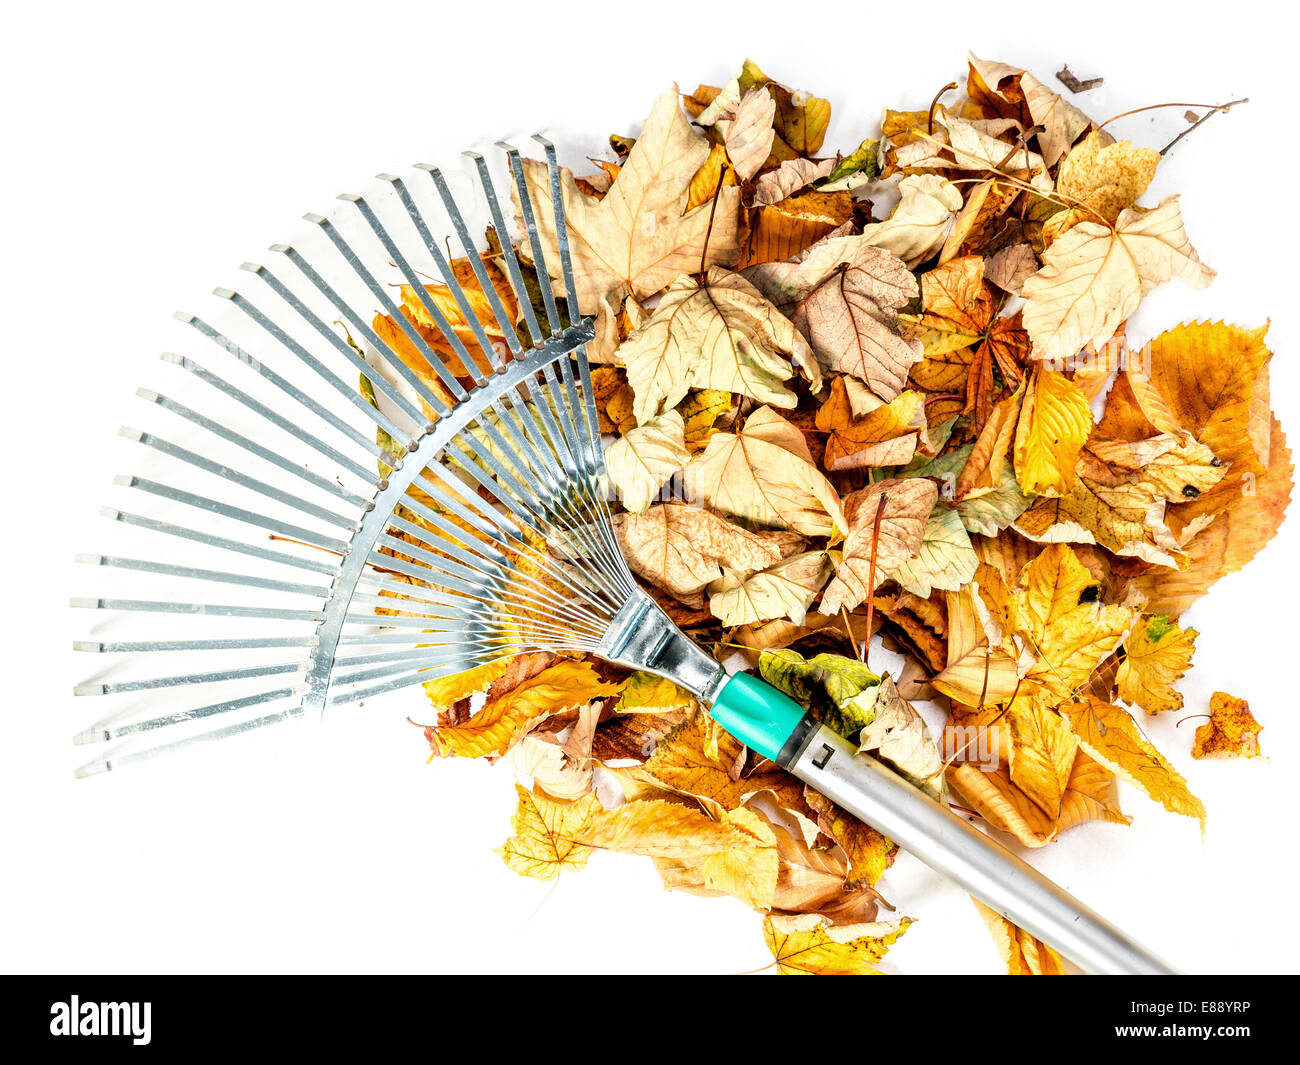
x,y
758,715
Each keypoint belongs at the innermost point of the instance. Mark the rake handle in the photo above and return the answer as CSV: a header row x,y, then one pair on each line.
x,y
776,726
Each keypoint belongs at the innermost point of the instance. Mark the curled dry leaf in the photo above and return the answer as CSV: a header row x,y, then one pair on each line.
x,y
785,589
642,459
1231,732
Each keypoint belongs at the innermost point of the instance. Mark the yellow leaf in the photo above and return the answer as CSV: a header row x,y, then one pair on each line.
x,y
1111,736
492,730
1021,953
1156,655
447,691
869,853
704,185
885,436
1232,730
1106,178
1042,753
722,334
1055,420
1070,633
543,845
807,945
785,589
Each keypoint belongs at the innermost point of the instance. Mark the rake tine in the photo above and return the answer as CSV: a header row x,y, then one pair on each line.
x,y
534,237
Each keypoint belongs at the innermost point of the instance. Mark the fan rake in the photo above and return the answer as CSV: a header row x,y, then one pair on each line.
x,y
363,508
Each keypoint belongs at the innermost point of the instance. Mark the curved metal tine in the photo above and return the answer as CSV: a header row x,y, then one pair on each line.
x,y
234,476
507,248
252,447
216,576
445,269
471,509
235,546
341,345
390,308
214,506
433,569
467,242
561,229
104,765
141,646
475,368
287,387
104,734
186,679
224,610
534,237
350,392
367,477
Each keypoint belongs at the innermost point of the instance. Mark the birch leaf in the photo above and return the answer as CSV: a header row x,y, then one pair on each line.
x,y
1094,277
643,458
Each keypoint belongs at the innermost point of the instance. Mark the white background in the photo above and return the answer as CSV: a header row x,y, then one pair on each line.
x,y
149,149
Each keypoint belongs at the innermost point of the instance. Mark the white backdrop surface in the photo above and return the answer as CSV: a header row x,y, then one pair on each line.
x,y
150,148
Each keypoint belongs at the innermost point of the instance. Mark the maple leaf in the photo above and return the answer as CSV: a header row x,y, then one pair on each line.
x,y
722,334
962,309
1155,656
494,728
643,458
543,846
1094,277
1067,633
908,502
1055,420
639,236
1122,506
682,549
807,945
1232,730
1021,953
785,589
869,853
981,668
1112,737
801,118
765,474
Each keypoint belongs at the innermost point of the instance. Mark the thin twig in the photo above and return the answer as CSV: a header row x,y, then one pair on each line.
x,y
1214,111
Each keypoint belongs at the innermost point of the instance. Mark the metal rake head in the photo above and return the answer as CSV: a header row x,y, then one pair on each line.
x,y
357,504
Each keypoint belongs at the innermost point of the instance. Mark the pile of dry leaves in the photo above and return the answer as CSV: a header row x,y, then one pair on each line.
x,y
887,390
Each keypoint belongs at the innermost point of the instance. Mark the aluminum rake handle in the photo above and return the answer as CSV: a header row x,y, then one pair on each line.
x,y
771,723
952,846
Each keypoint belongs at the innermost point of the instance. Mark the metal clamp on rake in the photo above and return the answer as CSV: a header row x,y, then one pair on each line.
x,y
488,533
